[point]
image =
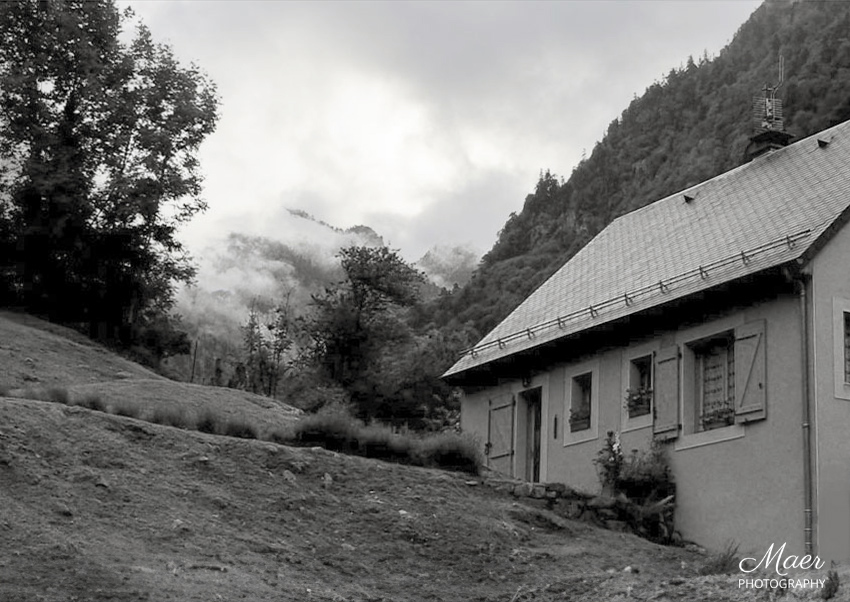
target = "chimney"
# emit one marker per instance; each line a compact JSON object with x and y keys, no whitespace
{"x":770,"y":131}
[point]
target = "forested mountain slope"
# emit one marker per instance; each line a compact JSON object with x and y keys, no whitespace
{"x":690,"y":126}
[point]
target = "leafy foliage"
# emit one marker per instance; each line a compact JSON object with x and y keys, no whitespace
{"x":98,"y":167}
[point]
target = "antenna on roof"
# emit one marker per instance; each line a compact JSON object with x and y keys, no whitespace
{"x":767,"y":112}
{"x":767,"y":109}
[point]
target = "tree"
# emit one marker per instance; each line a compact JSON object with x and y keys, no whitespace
{"x":98,"y":167}
{"x":357,"y":328}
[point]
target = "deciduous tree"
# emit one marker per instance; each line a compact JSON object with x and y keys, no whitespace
{"x":98,"y":165}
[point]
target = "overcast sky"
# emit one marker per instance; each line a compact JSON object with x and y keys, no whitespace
{"x":428,"y":121}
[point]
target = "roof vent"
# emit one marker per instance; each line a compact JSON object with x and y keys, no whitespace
{"x":823,"y":143}
{"x":770,"y":128}
{"x":689,"y":197}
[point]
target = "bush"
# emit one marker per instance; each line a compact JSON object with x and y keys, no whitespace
{"x":208,"y":422}
{"x":58,"y":395}
{"x":721,"y":563}
{"x":125,"y":408}
{"x":334,"y":428}
{"x":91,"y":401}
{"x":235,"y":427}
{"x":645,"y":476}
{"x":170,"y":416}
{"x":452,"y":451}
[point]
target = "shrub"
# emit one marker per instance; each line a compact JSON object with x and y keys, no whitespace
{"x":609,"y":462}
{"x":646,"y":475}
{"x":125,"y":408}
{"x":208,"y":422}
{"x":52,"y":394}
{"x":92,"y":401}
{"x":280,"y":437}
{"x":830,"y":587}
{"x":334,"y":428}
{"x":5,"y":390}
{"x":236,"y":427}
{"x":58,"y":395}
{"x":171,"y":416}
{"x":450,"y":450}
{"x":721,"y":563}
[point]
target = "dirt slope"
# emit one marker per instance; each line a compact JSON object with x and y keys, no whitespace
{"x":36,"y":355}
{"x":34,"y":352}
{"x":100,"y":507}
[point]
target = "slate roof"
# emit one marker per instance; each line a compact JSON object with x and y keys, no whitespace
{"x":760,"y":215}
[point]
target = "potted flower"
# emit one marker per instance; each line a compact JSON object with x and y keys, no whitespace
{"x":718,"y":417}
{"x":579,"y":419}
{"x":638,"y":401}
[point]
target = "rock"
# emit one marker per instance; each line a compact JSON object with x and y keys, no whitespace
{"x":289,"y":477}
{"x":616,"y":525}
{"x":327,"y":480}
{"x":123,"y":375}
{"x":602,"y":501}
{"x":347,"y":546}
{"x":471,"y":483}
{"x":63,"y":509}
{"x":557,"y":488}
{"x":538,"y":492}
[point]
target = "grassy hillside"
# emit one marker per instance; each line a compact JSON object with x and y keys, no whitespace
{"x":96,"y":507}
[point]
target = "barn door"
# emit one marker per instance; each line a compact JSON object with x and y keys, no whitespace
{"x":500,"y":435}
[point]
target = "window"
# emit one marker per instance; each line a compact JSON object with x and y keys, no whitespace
{"x":714,"y":362}
{"x":580,"y":402}
{"x":846,"y":347}
{"x":841,"y":346}
{"x":707,"y":388}
{"x":639,"y":393}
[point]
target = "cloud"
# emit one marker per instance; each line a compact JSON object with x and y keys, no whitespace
{"x":424,"y":120}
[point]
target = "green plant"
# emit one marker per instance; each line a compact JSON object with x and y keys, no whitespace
{"x":449,"y":450}
{"x":609,"y":462}
{"x":722,"y":415}
{"x":208,"y":422}
{"x":638,"y":401}
{"x":125,"y":408}
{"x":721,"y":563}
{"x":91,"y":401}
{"x":235,"y":427}
{"x":334,"y":428}
{"x":58,"y":395}
{"x":830,"y":587}
{"x":170,"y":416}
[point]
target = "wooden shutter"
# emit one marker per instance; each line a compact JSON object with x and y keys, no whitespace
{"x":500,"y":435}
{"x":750,"y":372}
{"x":666,"y":423}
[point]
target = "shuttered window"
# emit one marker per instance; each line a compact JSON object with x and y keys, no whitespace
{"x":715,"y":381}
{"x":666,"y":409}
{"x":847,"y":347}
{"x":750,"y":372}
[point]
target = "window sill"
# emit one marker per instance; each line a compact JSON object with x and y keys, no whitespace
{"x":727,"y":433}
{"x":577,"y":437}
{"x":635,"y":424}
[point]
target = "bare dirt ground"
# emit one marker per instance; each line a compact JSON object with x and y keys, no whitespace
{"x":100,"y":507}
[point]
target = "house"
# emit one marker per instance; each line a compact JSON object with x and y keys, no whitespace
{"x":723,"y":314}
